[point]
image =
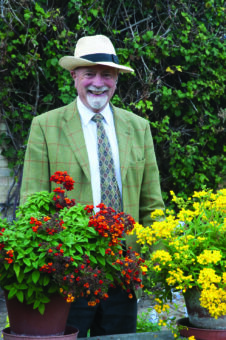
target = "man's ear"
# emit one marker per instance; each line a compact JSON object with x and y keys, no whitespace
{"x":73,"y":74}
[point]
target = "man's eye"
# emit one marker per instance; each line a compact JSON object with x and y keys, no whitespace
{"x":88,"y":74}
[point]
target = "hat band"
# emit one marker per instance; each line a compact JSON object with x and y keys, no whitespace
{"x":99,"y":57}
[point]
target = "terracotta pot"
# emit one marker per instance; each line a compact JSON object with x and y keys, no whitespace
{"x":70,"y":333}
{"x":24,"y":320}
{"x":187,"y":330}
{"x":198,"y":316}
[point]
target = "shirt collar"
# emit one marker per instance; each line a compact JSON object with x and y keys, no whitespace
{"x":86,"y":114}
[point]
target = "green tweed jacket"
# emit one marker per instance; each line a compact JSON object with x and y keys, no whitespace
{"x":56,"y":142}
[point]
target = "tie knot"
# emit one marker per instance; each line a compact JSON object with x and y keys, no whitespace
{"x":98,"y":117}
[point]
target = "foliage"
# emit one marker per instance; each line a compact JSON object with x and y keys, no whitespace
{"x":190,"y":249}
{"x":177,"y":50}
{"x":55,"y":245}
{"x":145,"y":325}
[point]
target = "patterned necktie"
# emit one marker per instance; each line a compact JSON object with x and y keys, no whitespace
{"x":110,"y":194}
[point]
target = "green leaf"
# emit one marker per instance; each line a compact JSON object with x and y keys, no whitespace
{"x":12,"y":292}
{"x":102,"y":251}
{"x":20,"y":296}
{"x":46,"y":280}
{"x":35,"y":276}
{"x":92,"y":259}
{"x":36,"y":304}
{"x":109,"y":276}
{"x":27,"y":261}
{"x":41,"y":308}
{"x":16,"y":268}
{"x":30,"y":291}
{"x":101,"y":260}
{"x":20,"y":277}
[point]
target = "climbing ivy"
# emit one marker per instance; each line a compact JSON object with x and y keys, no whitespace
{"x":177,"y":50}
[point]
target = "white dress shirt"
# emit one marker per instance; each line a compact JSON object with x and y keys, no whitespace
{"x":90,"y":135}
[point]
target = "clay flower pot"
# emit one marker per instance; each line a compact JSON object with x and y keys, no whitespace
{"x":199,"y":316}
{"x":26,"y":321}
{"x":187,"y":330}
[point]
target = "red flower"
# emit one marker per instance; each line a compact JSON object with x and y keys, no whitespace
{"x":89,"y":208}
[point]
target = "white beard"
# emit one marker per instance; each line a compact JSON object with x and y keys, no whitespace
{"x":97,"y":103}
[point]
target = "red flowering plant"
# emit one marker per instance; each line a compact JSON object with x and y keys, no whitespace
{"x":58,"y":246}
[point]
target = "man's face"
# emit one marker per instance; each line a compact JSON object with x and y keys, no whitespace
{"x":95,"y":85}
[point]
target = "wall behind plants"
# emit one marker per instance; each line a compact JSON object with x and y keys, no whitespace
{"x":177,"y":50}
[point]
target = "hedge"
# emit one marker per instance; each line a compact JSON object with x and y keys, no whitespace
{"x":177,"y":50}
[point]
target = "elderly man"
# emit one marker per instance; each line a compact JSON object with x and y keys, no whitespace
{"x":110,"y":154}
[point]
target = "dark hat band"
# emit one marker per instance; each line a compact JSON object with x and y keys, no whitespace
{"x":100,"y":57}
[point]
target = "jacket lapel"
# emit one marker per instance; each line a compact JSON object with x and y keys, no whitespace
{"x":73,"y":132}
{"x":125,"y":135}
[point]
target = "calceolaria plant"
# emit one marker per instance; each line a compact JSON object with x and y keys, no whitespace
{"x":188,"y":249}
{"x":58,"y":246}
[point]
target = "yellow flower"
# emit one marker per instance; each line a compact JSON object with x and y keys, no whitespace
{"x":157,"y":213}
{"x":190,"y":247}
{"x":214,"y":299}
{"x":207,"y":276}
{"x":209,"y":256}
{"x":161,"y":256}
{"x":144,"y":269}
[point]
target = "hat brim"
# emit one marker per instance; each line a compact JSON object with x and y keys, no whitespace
{"x":71,"y":63}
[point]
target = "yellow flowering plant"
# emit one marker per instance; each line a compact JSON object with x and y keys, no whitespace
{"x":186,"y":249}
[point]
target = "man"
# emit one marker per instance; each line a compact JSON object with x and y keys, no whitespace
{"x":66,"y":139}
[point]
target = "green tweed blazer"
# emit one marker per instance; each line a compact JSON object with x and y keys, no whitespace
{"x":56,"y":143}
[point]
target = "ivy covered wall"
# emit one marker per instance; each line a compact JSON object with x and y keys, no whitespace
{"x":177,"y":50}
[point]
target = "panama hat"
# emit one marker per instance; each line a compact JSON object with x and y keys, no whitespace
{"x":93,"y":50}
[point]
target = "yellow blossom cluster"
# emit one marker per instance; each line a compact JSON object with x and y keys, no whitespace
{"x":207,"y":276}
{"x":162,"y":323}
{"x":177,"y":277}
{"x":158,"y":230}
{"x":209,"y":256}
{"x":157,"y":213}
{"x":189,"y":247}
{"x":220,"y":200}
{"x":214,"y":299}
{"x":188,"y":215}
{"x":224,"y":278}
{"x":161,"y":256}
{"x":161,"y":308}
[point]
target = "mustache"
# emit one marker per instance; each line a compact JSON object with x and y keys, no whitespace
{"x":95,"y":88}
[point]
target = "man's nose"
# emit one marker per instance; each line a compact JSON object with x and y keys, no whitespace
{"x":98,"y":80}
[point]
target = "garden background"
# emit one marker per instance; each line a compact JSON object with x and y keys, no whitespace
{"x":177,"y":50}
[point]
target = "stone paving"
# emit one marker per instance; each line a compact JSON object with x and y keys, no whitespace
{"x":3,"y":311}
{"x":177,"y":309}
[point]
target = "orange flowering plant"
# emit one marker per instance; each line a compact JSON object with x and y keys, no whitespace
{"x":56,"y":245}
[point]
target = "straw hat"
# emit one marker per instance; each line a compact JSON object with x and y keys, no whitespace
{"x":93,"y":50}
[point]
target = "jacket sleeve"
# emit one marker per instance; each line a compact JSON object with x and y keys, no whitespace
{"x":36,"y":165}
{"x":150,"y":195}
